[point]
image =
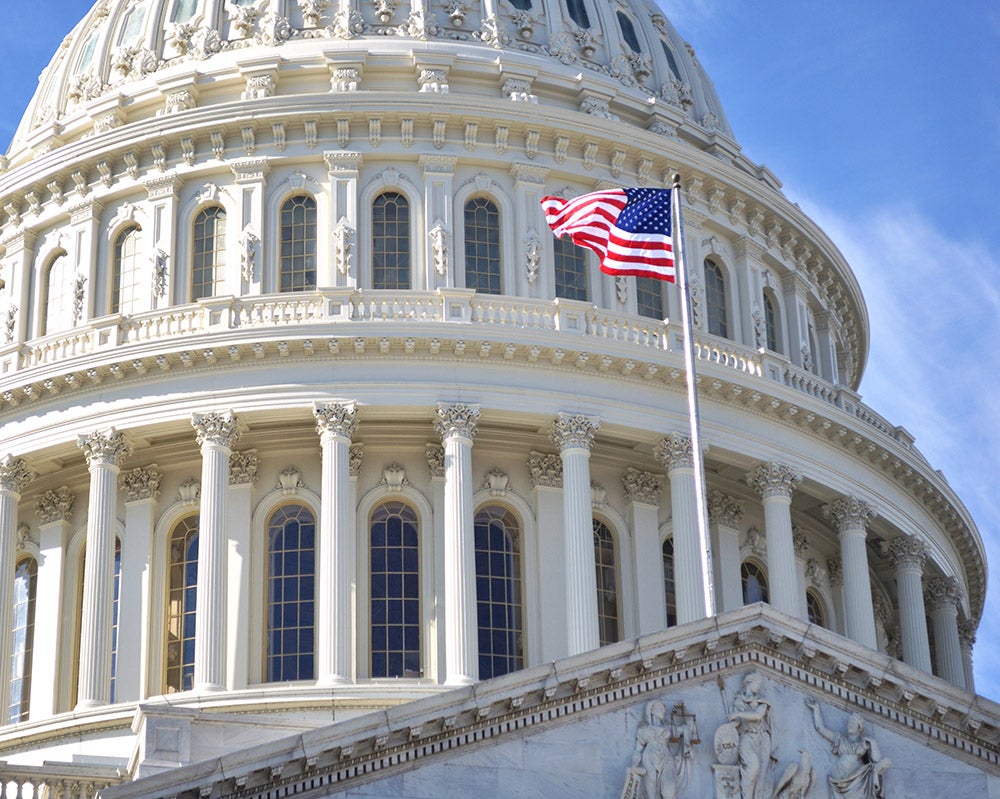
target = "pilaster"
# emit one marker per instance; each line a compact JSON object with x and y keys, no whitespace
{"x":724,"y":515}
{"x":545,"y":473}
{"x":643,"y":490}
{"x":242,"y":477}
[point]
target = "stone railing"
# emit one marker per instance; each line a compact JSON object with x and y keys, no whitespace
{"x":347,"y":311}
{"x":56,"y":781}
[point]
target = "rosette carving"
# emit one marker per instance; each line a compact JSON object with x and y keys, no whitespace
{"x":907,"y":552}
{"x":773,"y":480}
{"x":141,"y":483}
{"x":724,"y":510}
{"x":456,"y":420}
{"x":571,"y":431}
{"x":14,"y":474}
{"x":107,"y":446}
{"x":545,"y":469}
{"x":55,"y":506}
{"x":216,"y":428}
{"x":642,"y":486}
{"x":336,"y":418}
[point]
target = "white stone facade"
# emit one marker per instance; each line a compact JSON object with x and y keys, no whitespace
{"x":281,"y":267}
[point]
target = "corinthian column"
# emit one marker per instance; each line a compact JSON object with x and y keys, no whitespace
{"x":943,"y":595}
{"x":574,"y":435}
{"x":14,"y":476}
{"x":967,"y":640}
{"x":456,"y":424}
{"x":216,"y":433}
{"x":775,"y":482}
{"x":104,"y":452}
{"x":675,"y":455}
{"x":907,"y":554}
{"x":335,"y":424}
{"x":850,"y":515}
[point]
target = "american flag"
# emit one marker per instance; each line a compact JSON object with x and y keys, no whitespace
{"x":630,"y":229}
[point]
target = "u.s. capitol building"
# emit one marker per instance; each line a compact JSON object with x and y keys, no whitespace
{"x":328,"y":471}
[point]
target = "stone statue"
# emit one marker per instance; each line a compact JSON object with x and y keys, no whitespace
{"x":859,"y":770}
{"x":752,"y":715}
{"x":661,"y":762}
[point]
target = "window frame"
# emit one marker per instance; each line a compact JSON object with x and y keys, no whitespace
{"x":519,"y":588}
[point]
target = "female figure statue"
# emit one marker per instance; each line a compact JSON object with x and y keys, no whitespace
{"x":858,"y":772}
{"x":661,"y":761}
{"x":752,"y":716}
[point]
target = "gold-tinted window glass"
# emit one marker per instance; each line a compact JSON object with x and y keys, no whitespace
{"x":182,"y":589}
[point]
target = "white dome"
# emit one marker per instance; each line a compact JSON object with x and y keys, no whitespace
{"x":122,"y":48}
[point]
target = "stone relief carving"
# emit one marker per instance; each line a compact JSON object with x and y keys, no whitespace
{"x":497,"y":482}
{"x":343,"y":245}
{"x":11,"y":322}
{"x":532,"y":255}
{"x":141,"y":483}
{"x":621,"y":289}
{"x":345,"y":79}
{"x":661,"y":761}
{"x":439,"y":247}
{"x":433,"y":80}
{"x":243,"y":467}
{"x":242,"y":18}
{"x":55,"y":506}
{"x":248,"y":253}
{"x":189,"y":492}
{"x":394,"y":477}
{"x":434,"y":454}
{"x":545,"y":469}
{"x":385,"y":10}
{"x":312,"y":11}
{"x":748,"y":725}
{"x":25,"y":539}
{"x":797,"y":778}
{"x":160,"y":271}
{"x":356,"y":457}
{"x":289,"y":481}
{"x":859,"y":770}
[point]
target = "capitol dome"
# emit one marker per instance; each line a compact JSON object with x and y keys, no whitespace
{"x":306,"y":415}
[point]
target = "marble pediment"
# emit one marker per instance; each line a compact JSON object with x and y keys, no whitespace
{"x":749,"y":705}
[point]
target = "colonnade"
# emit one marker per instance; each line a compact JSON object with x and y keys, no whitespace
{"x":575,"y":597}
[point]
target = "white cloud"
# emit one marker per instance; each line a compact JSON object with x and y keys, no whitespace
{"x":934,"y":362}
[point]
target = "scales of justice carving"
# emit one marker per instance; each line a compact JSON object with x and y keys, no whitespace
{"x":747,"y":764}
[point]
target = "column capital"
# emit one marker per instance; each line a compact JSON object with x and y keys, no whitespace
{"x":219,"y":428}
{"x":141,"y":483}
{"x":907,"y":552}
{"x":14,"y":474}
{"x":673,"y":451}
{"x":773,"y":479}
{"x":943,"y":593}
{"x":724,"y":510}
{"x":457,"y":420}
{"x":574,"y":431}
{"x":55,"y":506}
{"x":800,"y":542}
{"x":642,"y":486}
{"x":835,"y":571}
{"x":336,"y":418}
{"x":356,"y":455}
{"x":849,"y":513}
{"x":545,"y":469}
{"x":967,"y":633}
{"x":107,"y":447}
{"x":243,"y":467}
{"x":435,"y":459}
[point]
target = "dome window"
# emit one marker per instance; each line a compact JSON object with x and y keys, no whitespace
{"x":671,"y":61}
{"x":132,"y":26}
{"x":126,"y":271}
{"x":715,"y":299}
{"x":297,"y":264}
{"x":58,"y":295}
{"x":395,"y":591}
{"x":87,"y":53}
{"x":181,"y":605}
{"x":628,"y":32}
{"x":22,"y":635}
{"x":607,"y":584}
{"x":521,"y":5}
{"x":571,"y":270}
{"x":649,"y":298}
{"x":209,"y":252}
{"x":578,"y":13}
{"x":754,"y":583}
{"x":391,"y":242}
{"x":669,"y":583}
{"x":770,"y":323}
{"x":184,"y":10}
{"x":498,"y":592}
{"x":290,"y":594}
{"x":482,"y":246}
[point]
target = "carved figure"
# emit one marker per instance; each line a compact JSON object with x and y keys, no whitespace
{"x":860,"y":767}
{"x":661,"y":762}
{"x":797,"y":779}
{"x":752,"y":715}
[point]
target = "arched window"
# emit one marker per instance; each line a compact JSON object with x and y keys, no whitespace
{"x":498,"y":592}
{"x":578,"y":13}
{"x":628,"y":32}
{"x":132,"y":26}
{"x":715,"y":299}
{"x":669,"y":585}
{"x":482,"y":246}
{"x":208,"y":258}
{"x":59,"y":294}
{"x":649,"y":298}
{"x":395,"y":591}
{"x":22,"y":640}
{"x":770,"y":323}
{"x":114,"y":617}
{"x":125,"y":271}
{"x":297,"y":261}
{"x":571,"y":270}
{"x":671,"y":61}
{"x":754,"y":583}
{"x":182,"y":588}
{"x":814,"y":608}
{"x":390,"y":241}
{"x":607,"y":583}
{"x":813,"y":352}
{"x":184,"y":10}
{"x":291,"y":538}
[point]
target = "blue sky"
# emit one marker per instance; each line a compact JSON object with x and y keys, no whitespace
{"x":882,"y":118}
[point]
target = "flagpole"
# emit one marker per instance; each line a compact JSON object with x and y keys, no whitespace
{"x":697,"y":456}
